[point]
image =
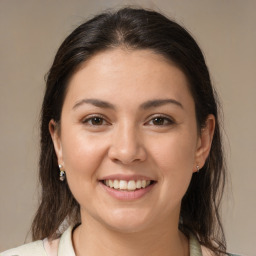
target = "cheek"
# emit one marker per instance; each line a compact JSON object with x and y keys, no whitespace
{"x":175,"y":151}
{"x":175,"y":160}
{"x":82,"y":155}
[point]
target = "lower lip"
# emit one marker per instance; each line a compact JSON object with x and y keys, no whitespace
{"x":127,"y":195}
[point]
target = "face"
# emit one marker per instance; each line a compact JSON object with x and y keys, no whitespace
{"x":128,"y":140}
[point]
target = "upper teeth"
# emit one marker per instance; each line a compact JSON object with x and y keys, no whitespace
{"x":127,"y":185}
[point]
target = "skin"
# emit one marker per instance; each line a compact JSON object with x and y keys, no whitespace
{"x":130,"y":138}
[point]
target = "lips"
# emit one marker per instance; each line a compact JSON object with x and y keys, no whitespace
{"x":125,"y":187}
{"x":129,"y":185}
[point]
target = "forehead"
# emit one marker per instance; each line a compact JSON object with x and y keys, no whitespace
{"x":120,"y":74}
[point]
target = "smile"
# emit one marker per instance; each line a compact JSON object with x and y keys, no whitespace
{"x":127,"y":185}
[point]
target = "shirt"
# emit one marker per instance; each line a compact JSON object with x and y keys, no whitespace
{"x":64,"y":247}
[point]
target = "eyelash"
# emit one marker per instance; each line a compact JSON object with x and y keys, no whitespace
{"x":89,"y":120}
{"x":166,"y":121}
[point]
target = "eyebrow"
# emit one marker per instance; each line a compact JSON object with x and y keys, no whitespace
{"x":95,"y":102}
{"x":159,"y":103}
{"x":146,"y":105}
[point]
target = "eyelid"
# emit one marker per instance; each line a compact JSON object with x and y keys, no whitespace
{"x":86,"y":119}
{"x":170,"y":119}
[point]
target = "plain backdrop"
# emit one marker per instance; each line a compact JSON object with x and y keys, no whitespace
{"x":30,"y":33}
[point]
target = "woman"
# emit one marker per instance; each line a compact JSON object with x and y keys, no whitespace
{"x":131,"y":154}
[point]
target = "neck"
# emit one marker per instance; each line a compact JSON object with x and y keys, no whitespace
{"x":93,"y":239}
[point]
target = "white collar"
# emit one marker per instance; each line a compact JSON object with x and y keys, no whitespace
{"x":65,"y":246}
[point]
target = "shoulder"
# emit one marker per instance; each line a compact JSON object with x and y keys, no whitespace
{"x":31,"y":249}
{"x":207,"y":252}
{"x":61,"y":246}
{"x":196,"y":249}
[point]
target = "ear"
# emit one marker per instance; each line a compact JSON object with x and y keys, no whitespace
{"x":204,"y":142}
{"x":55,"y":134}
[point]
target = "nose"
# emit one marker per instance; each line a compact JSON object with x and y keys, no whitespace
{"x":127,"y":145}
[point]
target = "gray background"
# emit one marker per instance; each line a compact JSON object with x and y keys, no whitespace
{"x":30,"y":33}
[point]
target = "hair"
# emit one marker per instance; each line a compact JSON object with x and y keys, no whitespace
{"x":133,"y":29}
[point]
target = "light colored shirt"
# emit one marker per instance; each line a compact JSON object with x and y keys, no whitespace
{"x":64,"y":247}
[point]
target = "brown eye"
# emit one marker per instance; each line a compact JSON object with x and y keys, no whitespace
{"x":94,"y":121}
{"x":161,"y":121}
{"x":158,"y":121}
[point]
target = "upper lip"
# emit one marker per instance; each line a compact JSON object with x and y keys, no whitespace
{"x":126,"y":177}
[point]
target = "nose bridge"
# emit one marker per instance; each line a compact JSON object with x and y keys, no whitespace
{"x":127,"y":145}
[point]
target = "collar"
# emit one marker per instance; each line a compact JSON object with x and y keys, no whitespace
{"x":66,"y":246}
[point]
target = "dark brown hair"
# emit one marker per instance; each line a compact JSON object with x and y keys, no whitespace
{"x":133,"y":29}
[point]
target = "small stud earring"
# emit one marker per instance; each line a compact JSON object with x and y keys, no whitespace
{"x":62,"y":173}
{"x":198,"y":168}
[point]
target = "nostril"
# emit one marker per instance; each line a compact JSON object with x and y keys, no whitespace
{"x":126,"y":160}
{"x":126,"y":149}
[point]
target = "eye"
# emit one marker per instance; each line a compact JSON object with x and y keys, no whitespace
{"x":160,"y":121}
{"x":95,"y":121}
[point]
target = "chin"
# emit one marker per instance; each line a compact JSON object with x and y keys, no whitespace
{"x":127,"y":220}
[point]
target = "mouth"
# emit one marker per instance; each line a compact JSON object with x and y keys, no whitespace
{"x":127,"y":185}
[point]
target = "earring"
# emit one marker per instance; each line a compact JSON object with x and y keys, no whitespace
{"x":198,"y":168}
{"x":62,"y":176}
